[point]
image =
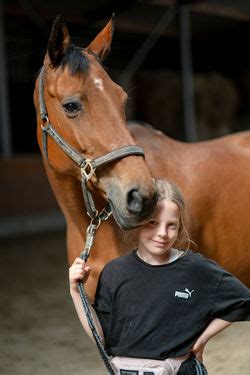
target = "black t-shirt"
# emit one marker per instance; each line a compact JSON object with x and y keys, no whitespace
{"x":158,"y":312}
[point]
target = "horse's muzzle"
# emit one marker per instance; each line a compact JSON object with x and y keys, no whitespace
{"x":137,"y":208}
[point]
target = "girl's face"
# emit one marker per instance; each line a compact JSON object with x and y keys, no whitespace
{"x":157,"y":237}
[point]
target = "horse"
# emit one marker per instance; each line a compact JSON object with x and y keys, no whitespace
{"x":87,"y":108}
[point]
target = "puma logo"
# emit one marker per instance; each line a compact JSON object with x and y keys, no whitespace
{"x":190,"y":293}
{"x":187,"y":294}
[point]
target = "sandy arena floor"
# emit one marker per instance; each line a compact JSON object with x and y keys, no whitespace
{"x":40,"y":333}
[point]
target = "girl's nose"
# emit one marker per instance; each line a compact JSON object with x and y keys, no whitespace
{"x":162,"y":232}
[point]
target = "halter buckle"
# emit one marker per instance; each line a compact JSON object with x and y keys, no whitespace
{"x":105,"y":213}
{"x":87,"y":170}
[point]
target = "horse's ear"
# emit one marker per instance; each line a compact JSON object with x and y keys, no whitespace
{"x":102,"y":43}
{"x":58,"y":41}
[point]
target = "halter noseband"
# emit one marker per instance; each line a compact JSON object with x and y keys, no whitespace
{"x":86,"y":166}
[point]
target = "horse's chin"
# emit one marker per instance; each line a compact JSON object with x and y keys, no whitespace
{"x":126,"y":222}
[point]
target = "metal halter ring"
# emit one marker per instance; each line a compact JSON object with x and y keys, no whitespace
{"x":95,"y":223}
{"x":87,"y":170}
{"x":45,"y":121}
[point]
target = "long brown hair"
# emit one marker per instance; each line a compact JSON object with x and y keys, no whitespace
{"x":168,"y":190}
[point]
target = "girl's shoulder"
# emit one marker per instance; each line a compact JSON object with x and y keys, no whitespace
{"x":118,"y":264}
{"x":199,"y":257}
{"x":202,"y":263}
{"x":117,"y":270}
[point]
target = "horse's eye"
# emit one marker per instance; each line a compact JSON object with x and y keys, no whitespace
{"x":72,"y":108}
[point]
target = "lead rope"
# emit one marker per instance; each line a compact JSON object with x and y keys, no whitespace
{"x":200,"y":368}
{"x":90,"y":234}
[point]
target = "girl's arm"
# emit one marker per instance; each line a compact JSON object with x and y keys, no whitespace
{"x":216,"y":326}
{"x":79,"y":271}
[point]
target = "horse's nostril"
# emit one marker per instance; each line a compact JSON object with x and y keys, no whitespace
{"x":134,"y":201}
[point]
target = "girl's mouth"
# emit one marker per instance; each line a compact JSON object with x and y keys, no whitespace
{"x":160,"y":243}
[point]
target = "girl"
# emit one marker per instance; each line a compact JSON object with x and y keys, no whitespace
{"x":157,"y":307}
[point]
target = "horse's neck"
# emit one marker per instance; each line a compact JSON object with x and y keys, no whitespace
{"x":68,"y":193}
{"x":164,"y":156}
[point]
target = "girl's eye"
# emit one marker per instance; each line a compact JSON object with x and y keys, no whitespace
{"x":72,"y":108}
{"x":153,"y":222}
{"x":173,"y":226}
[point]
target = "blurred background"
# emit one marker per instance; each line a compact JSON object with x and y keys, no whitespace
{"x":186,"y":68}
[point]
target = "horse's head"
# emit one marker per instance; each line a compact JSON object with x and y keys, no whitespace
{"x":87,"y":109}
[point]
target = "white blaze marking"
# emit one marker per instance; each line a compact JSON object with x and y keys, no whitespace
{"x":98,"y":83}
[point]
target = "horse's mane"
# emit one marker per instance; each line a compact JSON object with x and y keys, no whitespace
{"x":75,"y":60}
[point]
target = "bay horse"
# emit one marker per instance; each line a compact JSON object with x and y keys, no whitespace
{"x":87,"y":108}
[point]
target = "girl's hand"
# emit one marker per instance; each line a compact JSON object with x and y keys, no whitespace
{"x":78,"y":271}
{"x":198,"y":349}
{"x":215,"y":326}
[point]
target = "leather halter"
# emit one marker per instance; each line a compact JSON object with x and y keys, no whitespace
{"x":86,"y":166}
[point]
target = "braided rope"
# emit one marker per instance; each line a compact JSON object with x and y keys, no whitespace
{"x":95,"y":223}
{"x":200,"y":368}
{"x":93,"y":329}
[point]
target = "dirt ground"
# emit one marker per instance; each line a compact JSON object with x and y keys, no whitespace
{"x":40,"y":333}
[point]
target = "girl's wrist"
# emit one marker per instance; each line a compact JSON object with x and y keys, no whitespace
{"x":74,"y":289}
{"x":202,"y":340}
